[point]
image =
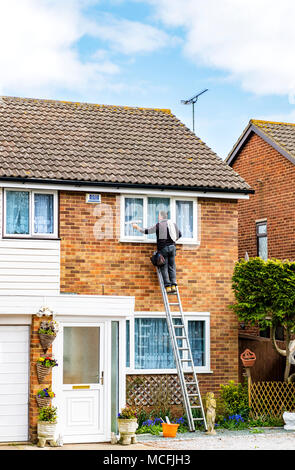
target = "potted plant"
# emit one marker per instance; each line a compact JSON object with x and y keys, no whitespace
{"x":46,"y":426}
{"x":44,"y":397}
{"x":127,"y":425}
{"x":47,"y":333}
{"x":44,"y":365}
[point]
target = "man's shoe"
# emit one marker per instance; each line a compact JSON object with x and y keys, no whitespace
{"x":173,"y":288}
{"x":168,"y":290}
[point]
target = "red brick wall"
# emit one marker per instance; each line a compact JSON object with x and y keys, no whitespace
{"x":272,"y":177}
{"x":92,"y":266}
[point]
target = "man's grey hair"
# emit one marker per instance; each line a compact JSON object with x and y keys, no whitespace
{"x":163,"y":214}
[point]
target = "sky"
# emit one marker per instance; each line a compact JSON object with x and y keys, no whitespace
{"x":156,"y":53}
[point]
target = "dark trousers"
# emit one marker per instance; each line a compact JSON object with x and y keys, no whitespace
{"x":168,"y":269}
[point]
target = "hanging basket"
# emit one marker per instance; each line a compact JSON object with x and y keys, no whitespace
{"x":42,"y":372}
{"x":43,"y":401}
{"x":248,"y":358}
{"x":46,"y":341}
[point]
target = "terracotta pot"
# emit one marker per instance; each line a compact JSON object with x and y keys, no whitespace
{"x":127,"y":428}
{"x":169,"y":430}
{"x":248,"y":358}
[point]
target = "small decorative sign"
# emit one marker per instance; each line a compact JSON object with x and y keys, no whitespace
{"x":93,"y":198}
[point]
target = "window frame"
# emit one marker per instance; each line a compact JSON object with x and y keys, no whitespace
{"x":190,"y":316}
{"x":258,"y":223}
{"x":31,"y":234}
{"x":144,"y":237}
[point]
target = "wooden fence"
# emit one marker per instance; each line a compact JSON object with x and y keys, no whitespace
{"x":271,"y":398}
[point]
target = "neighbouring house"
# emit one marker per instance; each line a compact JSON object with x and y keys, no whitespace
{"x":73,"y":177}
{"x":264,"y":156}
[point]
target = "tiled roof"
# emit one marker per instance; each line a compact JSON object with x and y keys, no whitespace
{"x":57,"y":140}
{"x":282,"y":133}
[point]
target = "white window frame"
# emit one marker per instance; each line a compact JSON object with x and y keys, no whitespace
{"x":144,"y":237}
{"x":32,"y":192}
{"x":190,"y":316}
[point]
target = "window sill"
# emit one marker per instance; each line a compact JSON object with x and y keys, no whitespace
{"x":30,"y":238}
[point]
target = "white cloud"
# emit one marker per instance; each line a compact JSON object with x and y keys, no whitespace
{"x":39,"y":46}
{"x":252,"y":41}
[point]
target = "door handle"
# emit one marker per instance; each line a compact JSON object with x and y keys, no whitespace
{"x":101,"y":378}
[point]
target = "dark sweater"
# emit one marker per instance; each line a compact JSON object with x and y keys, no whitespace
{"x":162,"y":234}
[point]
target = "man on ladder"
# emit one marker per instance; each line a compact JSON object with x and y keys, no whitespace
{"x":167,"y":234}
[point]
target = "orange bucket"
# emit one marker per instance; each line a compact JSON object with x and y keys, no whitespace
{"x":169,"y":430}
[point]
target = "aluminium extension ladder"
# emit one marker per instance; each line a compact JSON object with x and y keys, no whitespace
{"x":190,"y":389}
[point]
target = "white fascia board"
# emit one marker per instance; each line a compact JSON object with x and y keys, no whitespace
{"x":67,"y":304}
{"x":123,"y":190}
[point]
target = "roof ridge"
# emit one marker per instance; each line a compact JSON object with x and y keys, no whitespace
{"x":84,"y":103}
{"x":254,"y":121}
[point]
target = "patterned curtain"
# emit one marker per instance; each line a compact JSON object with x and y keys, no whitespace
{"x":43,"y":207}
{"x":184,"y":218}
{"x":17,"y":212}
{"x":133,"y":214}
{"x":155,"y":205}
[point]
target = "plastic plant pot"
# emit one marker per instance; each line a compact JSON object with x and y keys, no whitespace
{"x":169,"y":430}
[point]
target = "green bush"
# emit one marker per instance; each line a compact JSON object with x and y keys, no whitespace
{"x":233,"y":400}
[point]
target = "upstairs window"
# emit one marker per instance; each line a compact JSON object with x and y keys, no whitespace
{"x":30,"y":214}
{"x":261,"y":237}
{"x":144,"y":211}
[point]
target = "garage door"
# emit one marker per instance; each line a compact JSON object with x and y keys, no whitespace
{"x":14,"y":379}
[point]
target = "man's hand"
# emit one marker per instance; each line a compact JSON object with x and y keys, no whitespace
{"x":135,"y":226}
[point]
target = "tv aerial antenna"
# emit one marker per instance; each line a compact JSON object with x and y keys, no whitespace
{"x":193,"y":101}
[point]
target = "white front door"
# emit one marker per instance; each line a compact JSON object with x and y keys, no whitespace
{"x":81,"y":376}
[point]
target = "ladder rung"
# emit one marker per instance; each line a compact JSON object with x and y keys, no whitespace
{"x":198,"y":419}
{"x":186,"y":360}
{"x":192,"y":394}
{"x":195,"y":407}
{"x":181,"y":337}
{"x":183,"y":349}
{"x":174,"y":303}
{"x":178,"y":326}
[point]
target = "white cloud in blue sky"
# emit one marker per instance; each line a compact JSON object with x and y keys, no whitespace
{"x":155,"y":53}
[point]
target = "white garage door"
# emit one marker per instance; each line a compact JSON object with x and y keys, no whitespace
{"x":14,"y":380}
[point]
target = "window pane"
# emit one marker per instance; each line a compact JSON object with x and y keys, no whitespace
{"x":262,"y":247}
{"x":43,"y":207}
{"x":153,"y":348}
{"x":261,"y":228}
{"x":155,"y":205}
{"x":196,"y":333}
{"x":133,"y":215}
{"x":17,"y":212}
{"x":184,"y":218}
{"x":81,"y":355}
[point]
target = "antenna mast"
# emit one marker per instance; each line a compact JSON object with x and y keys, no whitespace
{"x":192,"y":101}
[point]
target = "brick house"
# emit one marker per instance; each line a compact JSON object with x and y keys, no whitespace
{"x":264,"y":155}
{"x":73,"y":176}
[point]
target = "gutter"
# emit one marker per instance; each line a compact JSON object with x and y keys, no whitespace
{"x":204,"y":189}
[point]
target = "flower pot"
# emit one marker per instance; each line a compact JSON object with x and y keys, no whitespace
{"x":43,"y":401}
{"x":46,"y":432}
{"x":127,"y":428}
{"x":46,"y":340}
{"x":169,"y":430}
{"x":289,"y":420}
{"x":42,"y":372}
{"x":248,"y":358}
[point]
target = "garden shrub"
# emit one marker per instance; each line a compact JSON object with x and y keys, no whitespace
{"x":233,"y":401}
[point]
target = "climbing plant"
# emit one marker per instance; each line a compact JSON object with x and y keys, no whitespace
{"x":265,"y":296}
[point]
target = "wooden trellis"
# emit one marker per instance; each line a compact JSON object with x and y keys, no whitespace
{"x":271,"y":398}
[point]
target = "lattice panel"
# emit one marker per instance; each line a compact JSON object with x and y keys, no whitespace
{"x":147,"y":390}
{"x":272,"y":398}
